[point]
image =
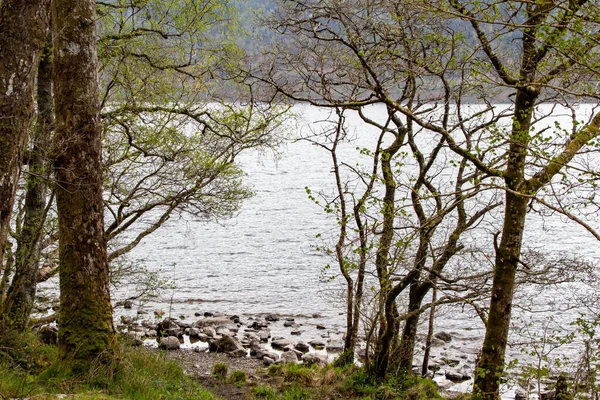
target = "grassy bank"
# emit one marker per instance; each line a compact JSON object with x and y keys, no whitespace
{"x":28,"y":369}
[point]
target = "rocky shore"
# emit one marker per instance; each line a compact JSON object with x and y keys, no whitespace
{"x":266,"y":339}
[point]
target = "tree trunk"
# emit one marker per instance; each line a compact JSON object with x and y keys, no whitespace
{"x":429,"y":340}
{"x":406,"y":349}
{"x":23,"y":28}
{"x":85,"y":321}
{"x":491,"y":363}
{"x":21,"y":294}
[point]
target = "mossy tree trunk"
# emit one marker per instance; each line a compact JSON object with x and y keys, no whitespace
{"x":85,"y":322}
{"x":21,"y":293}
{"x":23,"y":27}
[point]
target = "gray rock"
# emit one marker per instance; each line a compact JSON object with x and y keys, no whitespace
{"x":298,"y":352}
{"x":126,"y":319}
{"x":212,"y":321}
{"x":238,"y":353}
{"x":258,"y":325}
{"x":226,"y":344}
{"x":452,"y":362}
{"x":262,"y":353}
{"x":281,"y":343}
{"x":520,"y":394}
{"x":335,"y":346}
{"x":319,"y":326}
{"x":151,"y":333}
{"x":455,"y":376}
{"x":289,"y":323}
{"x":317,"y":344}
{"x":209,"y":331}
{"x":289,"y":357}
{"x":168,"y":327}
{"x":170,"y":343}
{"x":296,"y":332}
{"x":194,"y":332}
{"x":303,"y":347}
{"x":268,"y":361}
{"x":445,"y":336}
{"x":433,"y":366}
{"x":263,"y":335}
{"x":272,"y":318}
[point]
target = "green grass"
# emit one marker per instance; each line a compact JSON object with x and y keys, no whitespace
{"x":138,"y":374}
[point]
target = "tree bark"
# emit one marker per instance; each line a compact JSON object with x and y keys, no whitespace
{"x":23,"y":27}
{"x":21,"y":293}
{"x":85,"y":321}
{"x":491,"y":363}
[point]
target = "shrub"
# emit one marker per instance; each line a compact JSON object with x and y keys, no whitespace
{"x":220,"y":371}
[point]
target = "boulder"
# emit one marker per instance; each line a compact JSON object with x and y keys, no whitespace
{"x":455,"y":376}
{"x":212,"y":321}
{"x":168,"y":327}
{"x":268,"y":361}
{"x":281,"y":343}
{"x":226,"y":344}
{"x":335,"y":346}
{"x":296,"y":332}
{"x":445,"y":336}
{"x":209,"y":331}
{"x":126,"y":319}
{"x":238,"y":353}
{"x":520,"y":394}
{"x":169,"y":343}
{"x":272,"y":318}
{"x":289,"y":357}
{"x":264,"y":335}
{"x":319,"y":326}
{"x":193,"y":332}
{"x":264,"y":353}
{"x":452,"y":362}
{"x":317,"y":344}
{"x":303,"y":347}
{"x":259,"y":324}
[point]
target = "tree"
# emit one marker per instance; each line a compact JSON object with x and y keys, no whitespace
{"x":23,"y":28}
{"x":20,"y":297}
{"x":347,"y":55}
{"x":85,"y":321}
{"x":177,"y":156}
{"x":450,"y":55}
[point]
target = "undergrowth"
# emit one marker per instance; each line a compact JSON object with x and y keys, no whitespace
{"x":32,"y":369}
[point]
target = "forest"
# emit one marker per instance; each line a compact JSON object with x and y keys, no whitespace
{"x":453,"y":128}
